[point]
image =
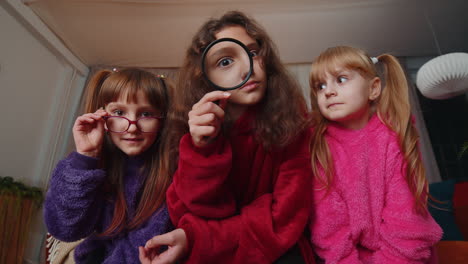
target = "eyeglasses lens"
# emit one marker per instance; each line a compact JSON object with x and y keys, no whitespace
{"x":120,"y":124}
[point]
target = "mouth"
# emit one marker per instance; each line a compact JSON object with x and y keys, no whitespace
{"x":132,"y":139}
{"x":250,"y":85}
{"x":333,"y":105}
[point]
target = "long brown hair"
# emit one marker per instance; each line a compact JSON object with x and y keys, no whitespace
{"x":282,"y":112}
{"x":107,"y":86}
{"x":392,"y":107}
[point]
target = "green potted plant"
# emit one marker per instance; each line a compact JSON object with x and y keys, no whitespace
{"x":18,"y":203}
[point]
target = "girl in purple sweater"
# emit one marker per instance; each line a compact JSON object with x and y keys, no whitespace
{"x":111,"y":190}
{"x":370,"y":191}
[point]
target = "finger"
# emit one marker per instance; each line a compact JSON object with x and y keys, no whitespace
{"x":160,"y":240}
{"x":164,"y":258}
{"x":101,"y":113}
{"x":156,"y":242}
{"x":207,"y":108}
{"x":97,"y":117}
{"x":203,"y":120}
{"x":90,"y":116}
{"x":88,"y":121}
{"x":202,"y":132}
{"x":100,"y":110}
{"x":84,"y":120}
{"x":213,"y":97}
{"x":143,"y":256}
{"x":153,"y":253}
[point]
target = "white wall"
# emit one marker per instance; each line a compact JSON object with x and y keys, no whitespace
{"x":39,"y":94}
{"x":301,"y":71}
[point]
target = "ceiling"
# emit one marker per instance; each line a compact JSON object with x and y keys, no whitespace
{"x":156,"y":33}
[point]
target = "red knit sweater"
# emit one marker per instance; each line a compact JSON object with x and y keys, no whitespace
{"x":239,"y":203}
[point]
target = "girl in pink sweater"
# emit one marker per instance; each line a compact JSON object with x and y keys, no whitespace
{"x":370,"y":191}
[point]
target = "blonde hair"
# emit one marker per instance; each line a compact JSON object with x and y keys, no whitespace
{"x":392,"y":107}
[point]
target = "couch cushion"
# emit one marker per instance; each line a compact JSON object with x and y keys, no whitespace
{"x":443,"y":211}
{"x":460,"y":207}
{"x":452,"y":252}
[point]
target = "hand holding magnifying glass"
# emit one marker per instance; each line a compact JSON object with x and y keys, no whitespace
{"x":206,"y":117}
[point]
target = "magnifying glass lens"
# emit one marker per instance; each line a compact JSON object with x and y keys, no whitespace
{"x":227,"y":65}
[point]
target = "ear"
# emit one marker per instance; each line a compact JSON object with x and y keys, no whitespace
{"x":375,"y":88}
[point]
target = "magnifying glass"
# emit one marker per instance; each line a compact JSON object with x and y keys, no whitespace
{"x":227,"y":64}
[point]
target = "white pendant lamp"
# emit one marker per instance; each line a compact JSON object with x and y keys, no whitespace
{"x":444,"y":77}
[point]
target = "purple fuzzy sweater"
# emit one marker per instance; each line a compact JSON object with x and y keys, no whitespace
{"x":75,"y":207}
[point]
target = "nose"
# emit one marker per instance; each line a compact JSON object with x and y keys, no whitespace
{"x":246,"y":73}
{"x":330,"y":90}
{"x":132,"y":128}
{"x":247,"y":67}
{"x":133,"y":124}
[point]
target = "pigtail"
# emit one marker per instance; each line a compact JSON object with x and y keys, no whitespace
{"x":395,"y":111}
{"x":320,"y":155}
{"x":394,"y":100}
{"x":92,"y":90}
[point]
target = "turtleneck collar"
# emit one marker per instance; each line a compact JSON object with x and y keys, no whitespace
{"x":337,"y":131}
{"x":136,"y":161}
{"x":245,"y":123}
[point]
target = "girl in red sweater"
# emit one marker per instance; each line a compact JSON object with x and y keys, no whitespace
{"x":240,"y":192}
{"x":370,"y":190}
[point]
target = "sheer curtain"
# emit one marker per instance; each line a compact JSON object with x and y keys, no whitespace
{"x":301,"y":72}
{"x":412,"y":66}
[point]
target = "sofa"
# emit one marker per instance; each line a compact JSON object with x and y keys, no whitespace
{"x":451,"y":213}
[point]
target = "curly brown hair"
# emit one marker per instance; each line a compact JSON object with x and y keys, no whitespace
{"x":282,"y":113}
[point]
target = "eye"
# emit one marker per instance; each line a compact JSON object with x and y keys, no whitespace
{"x":225,"y":62}
{"x":253,"y":53}
{"x":117,"y":112}
{"x":147,"y":114}
{"x":321,"y":86}
{"x":341,"y":79}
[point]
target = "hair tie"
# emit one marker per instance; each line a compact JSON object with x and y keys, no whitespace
{"x":374,"y":60}
{"x":161,"y":77}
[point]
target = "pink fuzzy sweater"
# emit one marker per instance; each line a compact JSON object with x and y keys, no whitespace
{"x":369,"y":215}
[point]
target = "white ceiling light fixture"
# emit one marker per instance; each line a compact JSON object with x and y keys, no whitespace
{"x":444,"y":76}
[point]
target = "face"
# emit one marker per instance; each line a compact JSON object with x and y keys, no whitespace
{"x":253,"y":91}
{"x":345,"y":96}
{"x":133,"y":142}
